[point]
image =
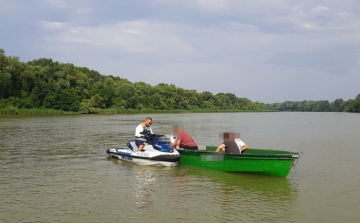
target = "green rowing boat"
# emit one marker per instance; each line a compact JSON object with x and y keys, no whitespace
{"x":254,"y":161}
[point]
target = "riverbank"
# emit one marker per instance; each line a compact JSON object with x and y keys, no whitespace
{"x":43,"y":111}
{"x":33,"y":111}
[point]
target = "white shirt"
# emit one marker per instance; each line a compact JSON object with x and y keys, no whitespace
{"x":239,"y":143}
{"x":140,"y":128}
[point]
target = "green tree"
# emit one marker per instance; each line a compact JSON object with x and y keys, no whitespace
{"x":244,"y":104}
{"x":355,"y":104}
{"x":337,"y":105}
{"x":5,"y":82}
{"x":45,"y":83}
{"x":52,"y":100}
{"x":69,"y":100}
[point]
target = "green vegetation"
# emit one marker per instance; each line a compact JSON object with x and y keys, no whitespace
{"x":33,"y":111}
{"x":43,"y":86}
{"x":151,"y":111}
{"x":339,"y":105}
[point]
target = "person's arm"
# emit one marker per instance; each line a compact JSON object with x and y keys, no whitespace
{"x":176,"y":144}
{"x":245,"y":147}
{"x":178,"y":140}
{"x":220,"y":147}
{"x":138,"y":129}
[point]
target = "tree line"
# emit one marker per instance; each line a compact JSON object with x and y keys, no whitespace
{"x":44,"y":83}
{"x":339,"y":105}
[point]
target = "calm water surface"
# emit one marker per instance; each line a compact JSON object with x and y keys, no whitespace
{"x":55,"y":169}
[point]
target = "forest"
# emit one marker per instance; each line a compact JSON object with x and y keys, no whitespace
{"x":339,"y":105}
{"x":43,"y":83}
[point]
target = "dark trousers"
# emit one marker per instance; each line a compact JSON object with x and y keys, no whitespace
{"x":189,"y":147}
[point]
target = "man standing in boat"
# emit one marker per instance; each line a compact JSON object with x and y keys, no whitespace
{"x":140,"y":138}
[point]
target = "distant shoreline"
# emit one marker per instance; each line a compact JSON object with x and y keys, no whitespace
{"x":41,"y":111}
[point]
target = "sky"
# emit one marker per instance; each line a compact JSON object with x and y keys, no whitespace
{"x":263,"y":50}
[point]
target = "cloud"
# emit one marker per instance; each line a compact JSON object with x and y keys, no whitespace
{"x":227,"y":8}
{"x":265,"y":46}
{"x":59,"y":4}
{"x":8,"y":8}
{"x":165,"y":42}
{"x":80,"y":7}
{"x":320,"y":8}
{"x":135,"y":37}
{"x":338,"y":61}
{"x":213,"y":5}
{"x":308,"y":26}
{"x":205,"y":6}
{"x":53,"y":25}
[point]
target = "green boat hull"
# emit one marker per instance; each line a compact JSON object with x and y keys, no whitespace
{"x":254,"y":161}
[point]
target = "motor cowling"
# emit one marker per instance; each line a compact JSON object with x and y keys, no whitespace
{"x":163,"y":147}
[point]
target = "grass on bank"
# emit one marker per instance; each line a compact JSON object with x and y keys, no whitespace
{"x":151,"y":111}
{"x":33,"y":111}
{"x":110,"y":111}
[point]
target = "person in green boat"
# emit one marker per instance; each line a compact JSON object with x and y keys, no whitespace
{"x":242,"y":146}
{"x":230,"y":146}
{"x":183,"y":139}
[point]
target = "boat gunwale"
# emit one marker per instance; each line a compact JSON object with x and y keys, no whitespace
{"x":289,"y":155}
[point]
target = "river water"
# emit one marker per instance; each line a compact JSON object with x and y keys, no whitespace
{"x":55,"y":169}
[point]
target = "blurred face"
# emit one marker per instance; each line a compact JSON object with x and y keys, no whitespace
{"x":229,"y":137}
{"x":148,"y":122}
{"x":178,"y":129}
{"x":226,"y":136}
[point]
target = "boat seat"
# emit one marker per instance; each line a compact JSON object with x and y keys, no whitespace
{"x":132,"y":145}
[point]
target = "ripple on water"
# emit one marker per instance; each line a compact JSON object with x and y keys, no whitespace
{"x":55,"y":169}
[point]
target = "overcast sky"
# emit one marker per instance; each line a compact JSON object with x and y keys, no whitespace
{"x":263,"y":50}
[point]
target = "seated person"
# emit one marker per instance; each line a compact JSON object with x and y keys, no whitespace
{"x":242,"y":146}
{"x":140,"y":138}
{"x":183,"y":140}
{"x":229,"y":145}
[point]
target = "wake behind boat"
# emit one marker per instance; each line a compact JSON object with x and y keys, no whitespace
{"x":157,"y":151}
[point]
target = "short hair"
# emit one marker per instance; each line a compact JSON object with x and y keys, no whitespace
{"x":148,"y":118}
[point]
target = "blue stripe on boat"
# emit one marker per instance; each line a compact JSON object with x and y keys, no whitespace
{"x":122,"y":153}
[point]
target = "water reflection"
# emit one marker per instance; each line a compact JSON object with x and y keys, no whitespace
{"x":140,"y":183}
{"x":233,"y":193}
{"x":54,"y":169}
{"x":190,"y":190}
